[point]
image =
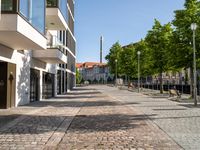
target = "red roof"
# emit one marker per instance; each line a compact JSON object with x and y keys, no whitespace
{"x":89,"y":64}
{"x":79,"y":65}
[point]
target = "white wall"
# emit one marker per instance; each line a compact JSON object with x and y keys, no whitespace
{"x":24,"y":62}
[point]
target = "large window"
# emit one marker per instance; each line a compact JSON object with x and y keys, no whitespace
{"x":63,"y":8}
{"x":34,"y":12}
{"x":38,"y":14}
{"x":24,"y":7}
{"x":7,"y":5}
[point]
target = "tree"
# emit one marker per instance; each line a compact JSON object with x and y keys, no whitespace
{"x":127,"y":58}
{"x":78,"y":77}
{"x":145,"y":58}
{"x":159,"y":41}
{"x":114,"y":55}
{"x":182,"y":39}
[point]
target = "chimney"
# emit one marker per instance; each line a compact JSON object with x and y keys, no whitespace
{"x":101,"y":48}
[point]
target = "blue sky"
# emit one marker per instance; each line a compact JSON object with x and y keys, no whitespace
{"x":125,"y":21}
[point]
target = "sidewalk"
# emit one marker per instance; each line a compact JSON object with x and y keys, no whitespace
{"x":85,"y":119}
{"x":179,"y":120}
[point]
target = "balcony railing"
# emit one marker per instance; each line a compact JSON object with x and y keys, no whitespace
{"x":53,"y":42}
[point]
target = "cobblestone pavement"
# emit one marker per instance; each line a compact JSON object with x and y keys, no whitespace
{"x":104,"y":123}
{"x":84,"y":119}
{"x":180,"y":120}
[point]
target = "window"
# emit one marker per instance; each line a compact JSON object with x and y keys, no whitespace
{"x":38,"y":14}
{"x":63,"y":8}
{"x":7,"y":5}
{"x":24,"y":8}
{"x":52,"y":3}
{"x":34,"y":12}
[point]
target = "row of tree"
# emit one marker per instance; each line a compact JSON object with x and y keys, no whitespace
{"x":165,"y":47}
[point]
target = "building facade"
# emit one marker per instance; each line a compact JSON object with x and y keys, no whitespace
{"x":37,"y":50}
{"x":94,"y":72}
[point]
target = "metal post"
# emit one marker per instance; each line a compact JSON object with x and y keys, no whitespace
{"x":138,"y":71}
{"x":116,"y":71}
{"x":195,"y":76}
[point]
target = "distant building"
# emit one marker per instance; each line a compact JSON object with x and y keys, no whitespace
{"x":94,"y":72}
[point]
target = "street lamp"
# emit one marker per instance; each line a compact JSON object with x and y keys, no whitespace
{"x":194,"y":27}
{"x":138,"y":53}
{"x":116,"y":71}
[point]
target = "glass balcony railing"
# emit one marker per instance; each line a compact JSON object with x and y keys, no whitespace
{"x":54,"y":43}
{"x":61,"y":4}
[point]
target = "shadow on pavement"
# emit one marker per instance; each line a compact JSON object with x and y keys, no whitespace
{"x":33,"y":124}
{"x":168,"y":109}
{"x":77,"y":103}
{"x":83,"y":93}
{"x":191,"y":105}
{"x":93,"y":123}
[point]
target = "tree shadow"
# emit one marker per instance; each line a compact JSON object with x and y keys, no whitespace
{"x":23,"y":82}
{"x":190,"y":105}
{"x":36,"y":124}
{"x":76,"y":103}
{"x":83,"y":93}
{"x":82,"y":89}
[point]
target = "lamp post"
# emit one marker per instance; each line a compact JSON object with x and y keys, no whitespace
{"x":138,"y":53}
{"x":194,"y":27}
{"x":116,"y":71}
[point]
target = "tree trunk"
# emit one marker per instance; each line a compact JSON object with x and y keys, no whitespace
{"x":191,"y":82}
{"x":161,"y":83}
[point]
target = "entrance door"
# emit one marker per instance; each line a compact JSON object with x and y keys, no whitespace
{"x":34,"y":85}
{"x":48,"y":85}
{"x":7,"y":85}
{"x":3,"y":84}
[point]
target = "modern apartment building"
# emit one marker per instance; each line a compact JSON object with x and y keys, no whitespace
{"x":37,"y":50}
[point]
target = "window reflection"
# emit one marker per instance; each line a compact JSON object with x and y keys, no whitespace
{"x":24,"y":8}
{"x":34,"y":12}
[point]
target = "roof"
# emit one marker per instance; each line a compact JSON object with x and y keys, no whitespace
{"x":89,"y":64}
{"x":79,"y":65}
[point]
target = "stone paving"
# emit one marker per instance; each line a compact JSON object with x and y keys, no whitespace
{"x":84,"y":119}
{"x":112,"y":125}
{"x":180,"y":120}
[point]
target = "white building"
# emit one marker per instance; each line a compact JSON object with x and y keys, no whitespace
{"x":37,"y":50}
{"x":94,"y":72}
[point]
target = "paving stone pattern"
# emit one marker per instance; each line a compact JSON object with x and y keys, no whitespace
{"x":180,"y":120}
{"x":83,"y":119}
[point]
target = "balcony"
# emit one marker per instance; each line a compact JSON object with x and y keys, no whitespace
{"x":54,"y":53}
{"x":20,"y":29}
{"x":18,"y":34}
{"x":56,"y":15}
